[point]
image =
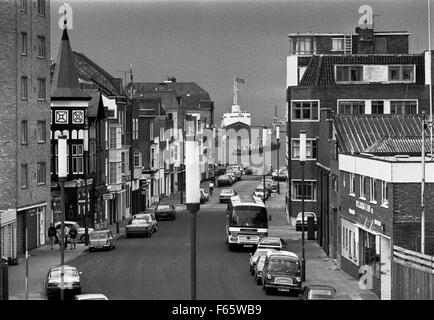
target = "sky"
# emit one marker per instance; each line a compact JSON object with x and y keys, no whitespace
{"x":210,"y":42}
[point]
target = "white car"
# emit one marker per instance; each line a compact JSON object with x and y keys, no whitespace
{"x":90,"y":296}
{"x":73,"y":224}
{"x":271,"y":243}
{"x":298,"y":225}
{"x":254,"y":257}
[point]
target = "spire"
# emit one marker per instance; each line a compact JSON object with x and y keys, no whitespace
{"x":65,"y":85}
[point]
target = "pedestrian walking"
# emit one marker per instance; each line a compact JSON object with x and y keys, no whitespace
{"x":73,"y":237}
{"x":65,"y":237}
{"x":52,"y":234}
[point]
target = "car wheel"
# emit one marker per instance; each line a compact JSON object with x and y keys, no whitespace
{"x":82,"y":238}
{"x":258,"y":281}
{"x":267,"y":291}
{"x":173,"y":217}
{"x":231,"y":247}
{"x":90,"y":249}
{"x":252,"y":272}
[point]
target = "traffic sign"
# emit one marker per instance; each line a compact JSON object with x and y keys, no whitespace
{"x":108,"y":196}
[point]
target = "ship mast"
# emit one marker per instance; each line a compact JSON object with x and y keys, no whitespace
{"x":235,"y":101}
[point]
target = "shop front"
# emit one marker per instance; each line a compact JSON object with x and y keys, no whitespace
{"x":31,"y":227}
{"x":8,"y":219}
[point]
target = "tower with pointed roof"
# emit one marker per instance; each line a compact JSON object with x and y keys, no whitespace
{"x":69,"y":106}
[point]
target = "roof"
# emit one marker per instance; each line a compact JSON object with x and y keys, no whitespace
{"x":95,"y":103}
{"x":283,"y":253}
{"x":399,"y":145}
{"x":167,"y":98}
{"x":358,"y":133}
{"x":149,"y":107}
{"x":320,"y":70}
{"x":192,"y":96}
{"x":248,"y":200}
{"x":89,"y":70}
{"x":65,"y":83}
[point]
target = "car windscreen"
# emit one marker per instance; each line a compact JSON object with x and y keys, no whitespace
{"x":283,"y":264}
{"x":163,"y":207}
{"x":67,"y":272}
{"x":140,"y":221}
{"x":249,"y":216}
{"x":94,"y":235}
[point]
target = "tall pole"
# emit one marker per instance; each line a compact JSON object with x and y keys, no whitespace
{"x":193,"y":284}
{"x":422,"y":193}
{"x":263,"y":183}
{"x":430,"y":80}
{"x":86,"y":168}
{"x":27,"y":264}
{"x":302,"y":162}
{"x":62,"y":174}
{"x":278,"y":154}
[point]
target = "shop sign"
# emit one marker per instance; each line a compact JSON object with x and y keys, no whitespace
{"x":108,"y":196}
{"x":364,"y":206}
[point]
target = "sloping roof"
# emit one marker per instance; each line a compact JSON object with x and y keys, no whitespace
{"x":320,"y":71}
{"x":149,"y":106}
{"x":190,"y":93}
{"x":95,"y":104}
{"x":168,"y":98}
{"x":399,"y":145}
{"x":90,"y":71}
{"x":65,"y":83}
{"x":358,"y":133}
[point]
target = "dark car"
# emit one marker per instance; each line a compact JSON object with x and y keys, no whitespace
{"x":318,"y":292}
{"x":71,"y":282}
{"x":165,"y":211}
{"x":142,"y":226}
{"x":281,"y":272}
{"x":248,"y":171}
{"x":224,"y":180}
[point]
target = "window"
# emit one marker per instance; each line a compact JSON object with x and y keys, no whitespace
{"x":137,"y":162}
{"x":24,"y":132}
{"x":23,"y":43}
{"x":349,"y":73}
{"x":41,"y":173}
{"x":377,"y":107}
{"x":135,"y":128}
{"x":23,"y":6}
{"x":113,"y":144}
{"x":309,"y":190}
{"x":384,"y":193}
{"x":41,"y":89}
{"x":42,"y":131}
{"x":153,"y":162}
{"x":372,"y":190}
{"x":123,"y":162}
{"x":403,"y":106}
{"x":350,"y":242}
{"x":303,"y":46}
{"x":24,"y":88}
{"x":334,"y":183}
{"x":338,"y":44}
{"x":151,"y":131}
{"x":351,"y":107}
{"x":41,"y":47}
{"x":304,"y":110}
{"x":24,"y":176}
{"x":77,"y":159}
{"x":401,"y":73}
{"x":112,"y":173}
{"x":352,"y":184}
{"x":363,"y":187}
{"x":311,"y":149}
{"x":41,"y":7}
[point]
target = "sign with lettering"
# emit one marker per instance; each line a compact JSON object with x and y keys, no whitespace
{"x":364,"y":206}
{"x":108,"y":196}
{"x":375,"y":73}
{"x":352,"y":211}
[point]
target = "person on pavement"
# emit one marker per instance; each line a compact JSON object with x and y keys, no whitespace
{"x":73,"y":237}
{"x":52,"y":233}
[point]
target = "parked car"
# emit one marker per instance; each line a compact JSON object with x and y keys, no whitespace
{"x":271,"y":243}
{"x":298,"y":225}
{"x":232,"y":176}
{"x":139,"y":226}
{"x":102,"y":239}
{"x":281,"y":272}
{"x":150,"y":217}
{"x":235,"y":171}
{"x":280,"y":175}
{"x":165,"y":211}
{"x":254,"y":256}
{"x":248,"y":171}
{"x":259,"y":192}
{"x":71,"y":280}
{"x":318,"y":292}
{"x":90,"y":296}
{"x":259,"y":267}
{"x":204,"y":197}
{"x":226,"y":194}
{"x":73,"y":224}
{"x":224,"y":180}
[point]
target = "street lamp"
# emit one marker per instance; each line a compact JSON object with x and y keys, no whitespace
{"x":62,"y":174}
{"x":278,"y":150}
{"x":192,"y":195}
{"x":302,"y":162}
{"x":86,"y":167}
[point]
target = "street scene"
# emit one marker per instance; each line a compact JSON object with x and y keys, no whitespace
{"x":216,"y":150}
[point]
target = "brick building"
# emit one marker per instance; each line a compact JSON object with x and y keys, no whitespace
{"x":24,"y":140}
{"x":359,"y":79}
{"x":370,"y":172}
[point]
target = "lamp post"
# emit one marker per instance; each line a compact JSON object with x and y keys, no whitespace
{"x":192,"y":196}
{"x":86,"y":167}
{"x":62,"y":174}
{"x":302,"y":162}
{"x":183,"y":175}
{"x":278,"y":150}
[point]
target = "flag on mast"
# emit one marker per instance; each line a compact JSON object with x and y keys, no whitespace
{"x":239,"y":80}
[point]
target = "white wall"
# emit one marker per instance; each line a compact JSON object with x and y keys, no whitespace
{"x":291,"y":70}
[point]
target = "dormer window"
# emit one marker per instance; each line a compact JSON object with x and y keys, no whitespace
{"x":337,"y":44}
{"x":349,"y":73}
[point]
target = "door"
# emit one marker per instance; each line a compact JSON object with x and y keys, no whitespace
{"x":21,"y":232}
